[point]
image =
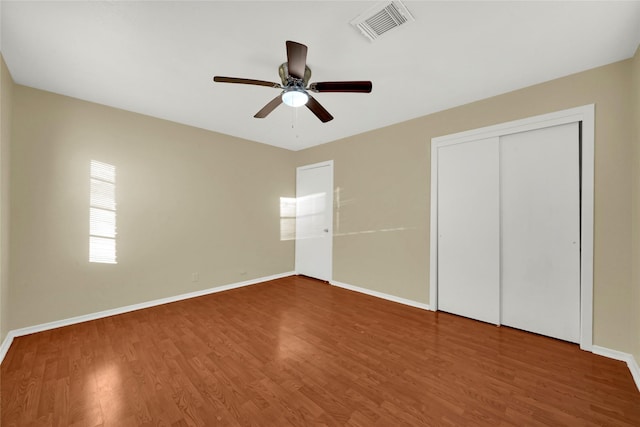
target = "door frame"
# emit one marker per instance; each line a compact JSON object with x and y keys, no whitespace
{"x":584,"y":114}
{"x":329,"y":206}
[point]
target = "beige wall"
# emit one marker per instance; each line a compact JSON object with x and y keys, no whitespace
{"x":636,"y":203}
{"x":188,"y":200}
{"x":6,"y":100}
{"x":383,"y":177}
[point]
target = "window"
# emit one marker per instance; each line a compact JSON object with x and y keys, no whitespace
{"x":102,"y":213}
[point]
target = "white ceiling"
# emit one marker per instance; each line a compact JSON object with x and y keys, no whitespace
{"x":158,"y":57}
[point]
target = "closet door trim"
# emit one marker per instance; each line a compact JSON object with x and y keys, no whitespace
{"x":584,"y":115}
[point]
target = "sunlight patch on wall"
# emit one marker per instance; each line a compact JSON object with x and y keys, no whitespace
{"x":311,"y":215}
{"x":287,"y":218}
{"x":102,"y":213}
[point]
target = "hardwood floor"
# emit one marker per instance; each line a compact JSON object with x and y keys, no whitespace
{"x":298,"y":352}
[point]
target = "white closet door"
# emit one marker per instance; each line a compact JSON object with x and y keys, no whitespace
{"x":468,"y":230}
{"x":541,"y":231}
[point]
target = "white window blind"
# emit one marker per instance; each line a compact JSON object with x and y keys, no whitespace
{"x":102,"y":213}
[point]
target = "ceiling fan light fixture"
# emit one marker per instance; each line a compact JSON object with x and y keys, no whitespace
{"x":295,"y":98}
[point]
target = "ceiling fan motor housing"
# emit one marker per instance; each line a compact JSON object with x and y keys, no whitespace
{"x":286,"y":78}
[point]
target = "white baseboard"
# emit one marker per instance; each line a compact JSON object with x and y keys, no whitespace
{"x":120,"y":310}
{"x":5,"y":345}
{"x":624,"y":357}
{"x":381,"y":295}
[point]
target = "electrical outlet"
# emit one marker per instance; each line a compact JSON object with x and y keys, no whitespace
{"x":195,"y":277}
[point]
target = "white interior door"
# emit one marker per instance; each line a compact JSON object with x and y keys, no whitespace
{"x":314,"y":220}
{"x":469,"y":230}
{"x":540,"y":179}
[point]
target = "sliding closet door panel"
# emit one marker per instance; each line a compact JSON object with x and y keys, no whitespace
{"x":540,"y":200}
{"x":468,"y":230}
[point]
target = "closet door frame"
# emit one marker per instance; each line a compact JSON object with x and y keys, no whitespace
{"x":586,"y":116}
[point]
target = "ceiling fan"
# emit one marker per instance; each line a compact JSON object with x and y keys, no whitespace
{"x":295,"y":86}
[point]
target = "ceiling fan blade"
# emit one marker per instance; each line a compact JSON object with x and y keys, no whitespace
{"x":269,"y":107}
{"x":297,"y":59}
{"x":318,"y":110}
{"x":221,"y":79}
{"x":354,"y":86}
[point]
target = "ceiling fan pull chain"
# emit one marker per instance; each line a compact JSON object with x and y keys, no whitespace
{"x":294,"y":117}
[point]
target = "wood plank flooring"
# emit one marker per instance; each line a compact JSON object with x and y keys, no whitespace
{"x":299,"y":352}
